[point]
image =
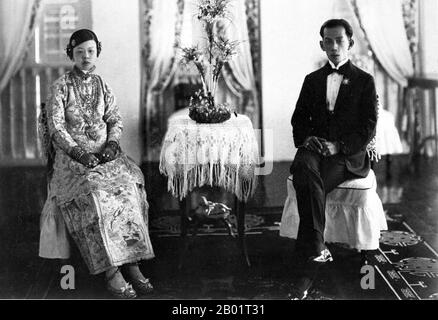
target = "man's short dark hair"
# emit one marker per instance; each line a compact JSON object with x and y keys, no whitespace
{"x":332,"y":23}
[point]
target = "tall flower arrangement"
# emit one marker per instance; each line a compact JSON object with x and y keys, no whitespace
{"x":209,"y":62}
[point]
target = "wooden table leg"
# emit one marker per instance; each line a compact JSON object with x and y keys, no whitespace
{"x":183,"y":211}
{"x":241,"y":229}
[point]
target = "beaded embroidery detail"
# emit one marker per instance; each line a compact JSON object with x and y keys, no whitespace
{"x":87,"y":100}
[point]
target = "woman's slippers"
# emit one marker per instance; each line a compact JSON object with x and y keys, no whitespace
{"x":143,"y":286}
{"x":126,"y":292}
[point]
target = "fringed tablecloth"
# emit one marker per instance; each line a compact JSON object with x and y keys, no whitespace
{"x":223,"y":155}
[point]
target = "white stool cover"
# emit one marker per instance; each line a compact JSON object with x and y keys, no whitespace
{"x":354,"y":214}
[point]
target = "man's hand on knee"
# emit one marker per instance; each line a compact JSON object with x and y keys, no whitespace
{"x":314,"y":144}
{"x":330,"y":148}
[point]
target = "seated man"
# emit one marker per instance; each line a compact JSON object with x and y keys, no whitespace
{"x":333,"y":122}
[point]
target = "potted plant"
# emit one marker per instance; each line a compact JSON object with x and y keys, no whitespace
{"x":209,"y":62}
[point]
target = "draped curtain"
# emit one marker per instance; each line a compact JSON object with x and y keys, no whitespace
{"x":161,"y":38}
{"x":17,"y":23}
{"x":18,"y":19}
{"x":172,"y":24}
{"x":253,"y":23}
{"x":239,"y":74}
{"x":394,"y":42}
{"x":382,"y":22}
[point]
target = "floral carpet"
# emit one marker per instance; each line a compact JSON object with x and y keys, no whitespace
{"x":404,"y":268}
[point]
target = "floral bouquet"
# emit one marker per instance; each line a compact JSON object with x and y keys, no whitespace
{"x":209,"y":63}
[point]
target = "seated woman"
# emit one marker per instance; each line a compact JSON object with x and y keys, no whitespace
{"x":94,"y":189}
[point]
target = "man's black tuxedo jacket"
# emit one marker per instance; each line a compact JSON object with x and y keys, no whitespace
{"x":352,"y":122}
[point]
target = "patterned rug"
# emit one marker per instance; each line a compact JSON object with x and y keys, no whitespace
{"x":169,"y":226}
{"x":405,"y":267}
{"x":406,"y":262}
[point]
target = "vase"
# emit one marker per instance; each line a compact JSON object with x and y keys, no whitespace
{"x":209,"y":114}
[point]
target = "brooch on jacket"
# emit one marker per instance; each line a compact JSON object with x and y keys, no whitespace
{"x":346,"y":82}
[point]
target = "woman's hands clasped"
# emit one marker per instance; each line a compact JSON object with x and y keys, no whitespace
{"x":89,"y":160}
{"x":109,"y":153}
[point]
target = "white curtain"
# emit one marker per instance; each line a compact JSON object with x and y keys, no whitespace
{"x":17,"y":22}
{"x":383,"y":24}
{"x":241,"y":63}
{"x":162,"y":34}
{"x":162,"y":51}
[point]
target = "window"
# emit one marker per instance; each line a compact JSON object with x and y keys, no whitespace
{"x":46,"y":60}
{"x":59,"y":18}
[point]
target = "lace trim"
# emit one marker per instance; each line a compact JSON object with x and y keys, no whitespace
{"x":224,"y":155}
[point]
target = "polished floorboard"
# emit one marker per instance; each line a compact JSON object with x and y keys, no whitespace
{"x":213,"y":267}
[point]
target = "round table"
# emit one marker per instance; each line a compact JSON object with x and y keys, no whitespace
{"x":218,"y":155}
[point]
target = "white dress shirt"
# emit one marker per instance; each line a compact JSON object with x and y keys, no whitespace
{"x":334,"y":81}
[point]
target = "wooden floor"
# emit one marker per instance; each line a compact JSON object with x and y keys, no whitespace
{"x":213,"y":266}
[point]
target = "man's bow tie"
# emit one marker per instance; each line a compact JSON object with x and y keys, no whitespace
{"x":339,"y":71}
{"x":342,"y":69}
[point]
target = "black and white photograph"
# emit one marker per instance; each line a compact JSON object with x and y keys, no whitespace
{"x":240,"y":152}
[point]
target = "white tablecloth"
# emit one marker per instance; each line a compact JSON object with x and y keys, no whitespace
{"x":223,"y":155}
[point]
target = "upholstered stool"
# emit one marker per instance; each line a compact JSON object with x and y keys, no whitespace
{"x":354,"y":214}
